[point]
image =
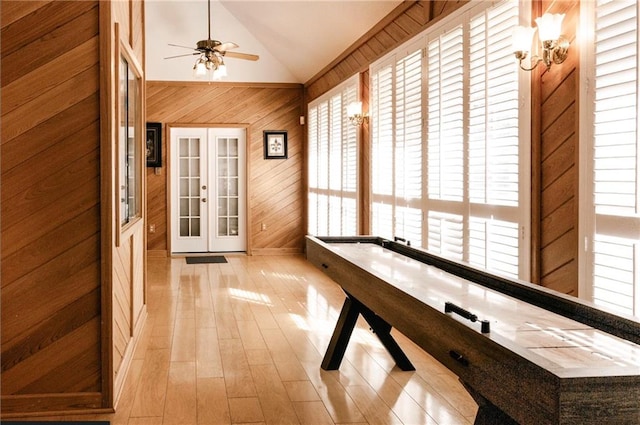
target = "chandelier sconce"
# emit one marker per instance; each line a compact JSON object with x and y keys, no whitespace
{"x":554,"y":46}
{"x":355,"y":115}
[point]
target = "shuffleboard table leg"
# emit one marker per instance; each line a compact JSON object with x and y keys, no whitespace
{"x":382,"y":329}
{"x":341,"y":335}
{"x":344,"y":328}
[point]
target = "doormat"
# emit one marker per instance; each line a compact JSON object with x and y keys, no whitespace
{"x":206,"y":260}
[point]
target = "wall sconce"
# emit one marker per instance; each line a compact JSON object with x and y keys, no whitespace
{"x":554,"y":47}
{"x":354,"y":113}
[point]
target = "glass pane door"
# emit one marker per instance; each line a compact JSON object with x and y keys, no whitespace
{"x":208,"y":167}
{"x":189,"y":190}
{"x":190,"y":179}
{"x":229,"y":183}
{"x":227,"y":187}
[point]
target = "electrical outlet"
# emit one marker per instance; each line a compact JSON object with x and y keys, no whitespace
{"x":152,"y":228}
{"x":264,"y":226}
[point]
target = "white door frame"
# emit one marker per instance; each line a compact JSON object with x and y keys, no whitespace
{"x":229,"y":206}
{"x":209,"y":134}
{"x":195,"y":188}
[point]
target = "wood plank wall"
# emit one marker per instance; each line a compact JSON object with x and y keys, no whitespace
{"x":556,"y":162}
{"x":275,"y":187}
{"x":126,"y":267}
{"x":50,"y":161}
{"x":554,"y":138}
{"x":69,"y":320}
{"x":364,"y":195}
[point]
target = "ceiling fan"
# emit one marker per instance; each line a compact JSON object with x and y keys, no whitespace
{"x":212,"y":53}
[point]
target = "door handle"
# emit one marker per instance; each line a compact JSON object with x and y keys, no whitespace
{"x":204,"y":199}
{"x":204,"y":187}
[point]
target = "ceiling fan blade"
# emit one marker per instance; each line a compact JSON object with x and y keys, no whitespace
{"x":228,"y":45}
{"x":185,"y":47}
{"x":180,"y":56}
{"x":239,"y":55}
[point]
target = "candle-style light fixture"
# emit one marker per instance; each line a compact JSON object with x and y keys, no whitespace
{"x":554,"y":46}
{"x":354,"y":113}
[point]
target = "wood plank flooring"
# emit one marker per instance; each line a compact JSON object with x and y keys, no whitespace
{"x":242,"y":343}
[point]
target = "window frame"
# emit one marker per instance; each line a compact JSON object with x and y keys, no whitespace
{"x":130,"y":161}
{"x":624,"y":227}
{"x":523,"y":212}
{"x":331,"y":191}
{"x":389,"y":196}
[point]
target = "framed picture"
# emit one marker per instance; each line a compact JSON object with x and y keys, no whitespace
{"x":275,"y":145}
{"x":154,"y":144}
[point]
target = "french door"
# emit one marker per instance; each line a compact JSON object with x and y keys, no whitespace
{"x":208,"y":196}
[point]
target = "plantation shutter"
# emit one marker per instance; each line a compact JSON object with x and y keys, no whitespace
{"x":382,"y":151}
{"x":616,"y":238}
{"x":397,"y":146}
{"x":445,"y":142}
{"x":450,"y":141}
{"x":332,"y":170}
{"x":312,"y":174}
{"x":323,"y":170}
{"x":493,"y":142}
{"x":349,"y":157}
{"x":335,"y":165}
{"x":473,"y":141}
{"x":408,"y":148}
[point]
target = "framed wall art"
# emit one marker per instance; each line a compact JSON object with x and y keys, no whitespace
{"x":275,"y":144}
{"x":154,"y":144}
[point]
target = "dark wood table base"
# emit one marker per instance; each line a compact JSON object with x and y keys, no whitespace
{"x":488,"y":413}
{"x":351,"y":309}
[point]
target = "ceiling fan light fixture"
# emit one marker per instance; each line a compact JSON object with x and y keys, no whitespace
{"x":211,"y":65}
{"x":220,"y":72}
{"x":200,"y":68}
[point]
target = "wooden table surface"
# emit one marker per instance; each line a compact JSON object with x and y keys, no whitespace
{"x":547,"y":358}
{"x":561,"y":345}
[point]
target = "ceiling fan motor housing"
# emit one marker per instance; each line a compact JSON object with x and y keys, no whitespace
{"x":208,"y":44}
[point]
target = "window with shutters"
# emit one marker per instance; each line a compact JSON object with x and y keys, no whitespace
{"x":610,"y":216}
{"x":333,"y":163}
{"x":450,"y":157}
{"x":396,"y":151}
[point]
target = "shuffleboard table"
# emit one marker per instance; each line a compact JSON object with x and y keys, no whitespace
{"x":526,"y":354}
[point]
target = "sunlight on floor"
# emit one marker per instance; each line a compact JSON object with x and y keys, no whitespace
{"x":249,"y":296}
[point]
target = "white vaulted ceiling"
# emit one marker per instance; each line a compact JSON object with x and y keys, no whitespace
{"x":295,"y":39}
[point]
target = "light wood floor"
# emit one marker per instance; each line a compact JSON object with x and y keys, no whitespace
{"x":242,"y":343}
